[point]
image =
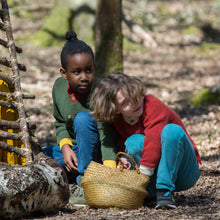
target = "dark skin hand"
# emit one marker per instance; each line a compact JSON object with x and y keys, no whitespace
{"x":69,"y":158}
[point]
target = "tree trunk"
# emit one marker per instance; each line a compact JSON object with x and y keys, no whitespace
{"x":40,"y":186}
{"x":108,"y":37}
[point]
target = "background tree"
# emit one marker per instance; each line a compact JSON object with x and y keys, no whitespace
{"x":108,"y":37}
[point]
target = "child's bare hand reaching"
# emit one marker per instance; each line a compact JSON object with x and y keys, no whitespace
{"x":69,"y":158}
{"x":126,"y":163}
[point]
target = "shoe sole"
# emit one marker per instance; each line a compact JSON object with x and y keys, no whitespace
{"x":165,"y":206}
{"x":79,"y":205}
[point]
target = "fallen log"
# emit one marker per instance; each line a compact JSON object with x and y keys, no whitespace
{"x":138,"y":34}
{"x":25,"y":189}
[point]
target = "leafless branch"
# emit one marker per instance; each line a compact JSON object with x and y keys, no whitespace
{"x":12,"y":95}
{"x":8,"y":105}
{"x":7,"y":63}
{"x":7,"y":79}
{"x":12,"y":149}
{"x":5,"y":44}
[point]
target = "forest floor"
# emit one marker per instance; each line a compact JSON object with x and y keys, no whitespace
{"x":178,"y":66}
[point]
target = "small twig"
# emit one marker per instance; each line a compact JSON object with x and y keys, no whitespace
{"x":8,"y":80}
{"x":11,"y":105}
{"x":9,"y":135}
{"x":12,"y":95}
{"x":15,"y":136}
{"x":4,"y":124}
{"x":2,"y":26}
{"x":7,"y":63}
{"x":5,"y":44}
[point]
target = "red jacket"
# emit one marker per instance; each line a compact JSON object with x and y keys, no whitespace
{"x":155,"y":117}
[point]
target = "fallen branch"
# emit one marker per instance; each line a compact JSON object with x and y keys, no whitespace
{"x":138,"y":33}
{"x":37,"y":8}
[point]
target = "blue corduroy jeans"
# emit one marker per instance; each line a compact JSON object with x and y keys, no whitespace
{"x":88,"y":144}
{"x":178,"y":168}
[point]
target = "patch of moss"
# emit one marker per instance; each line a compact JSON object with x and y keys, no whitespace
{"x":206,"y":47}
{"x":54,"y":29}
{"x":165,"y":11}
{"x":61,"y":19}
{"x":205,"y":97}
{"x":192,"y":30}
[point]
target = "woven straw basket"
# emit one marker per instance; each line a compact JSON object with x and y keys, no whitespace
{"x":114,"y":187}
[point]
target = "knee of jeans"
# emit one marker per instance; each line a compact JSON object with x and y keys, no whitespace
{"x":172,"y":131}
{"x":82,"y":118}
{"x":134,"y":143}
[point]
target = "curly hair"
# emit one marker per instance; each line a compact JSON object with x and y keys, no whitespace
{"x":104,"y":96}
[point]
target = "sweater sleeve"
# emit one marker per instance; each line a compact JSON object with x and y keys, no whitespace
{"x":108,"y":139}
{"x":60,"y":124}
{"x":155,"y":117}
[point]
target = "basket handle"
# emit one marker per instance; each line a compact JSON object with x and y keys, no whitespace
{"x":127,"y":155}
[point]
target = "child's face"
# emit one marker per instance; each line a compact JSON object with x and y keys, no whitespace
{"x":125,"y":108}
{"x":80,"y":71}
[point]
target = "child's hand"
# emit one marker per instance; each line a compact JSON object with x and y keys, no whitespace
{"x":69,"y":158}
{"x":126,"y":163}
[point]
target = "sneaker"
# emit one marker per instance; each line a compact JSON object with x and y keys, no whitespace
{"x":77,"y":196}
{"x":150,"y":202}
{"x":165,"y":199}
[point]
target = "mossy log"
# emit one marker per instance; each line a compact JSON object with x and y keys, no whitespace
{"x":39,"y":186}
{"x":207,"y":96}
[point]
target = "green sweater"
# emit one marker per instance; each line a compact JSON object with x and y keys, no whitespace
{"x":64,"y":111}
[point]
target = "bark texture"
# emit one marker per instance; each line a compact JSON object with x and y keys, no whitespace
{"x":39,"y":186}
{"x":108,"y":37}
